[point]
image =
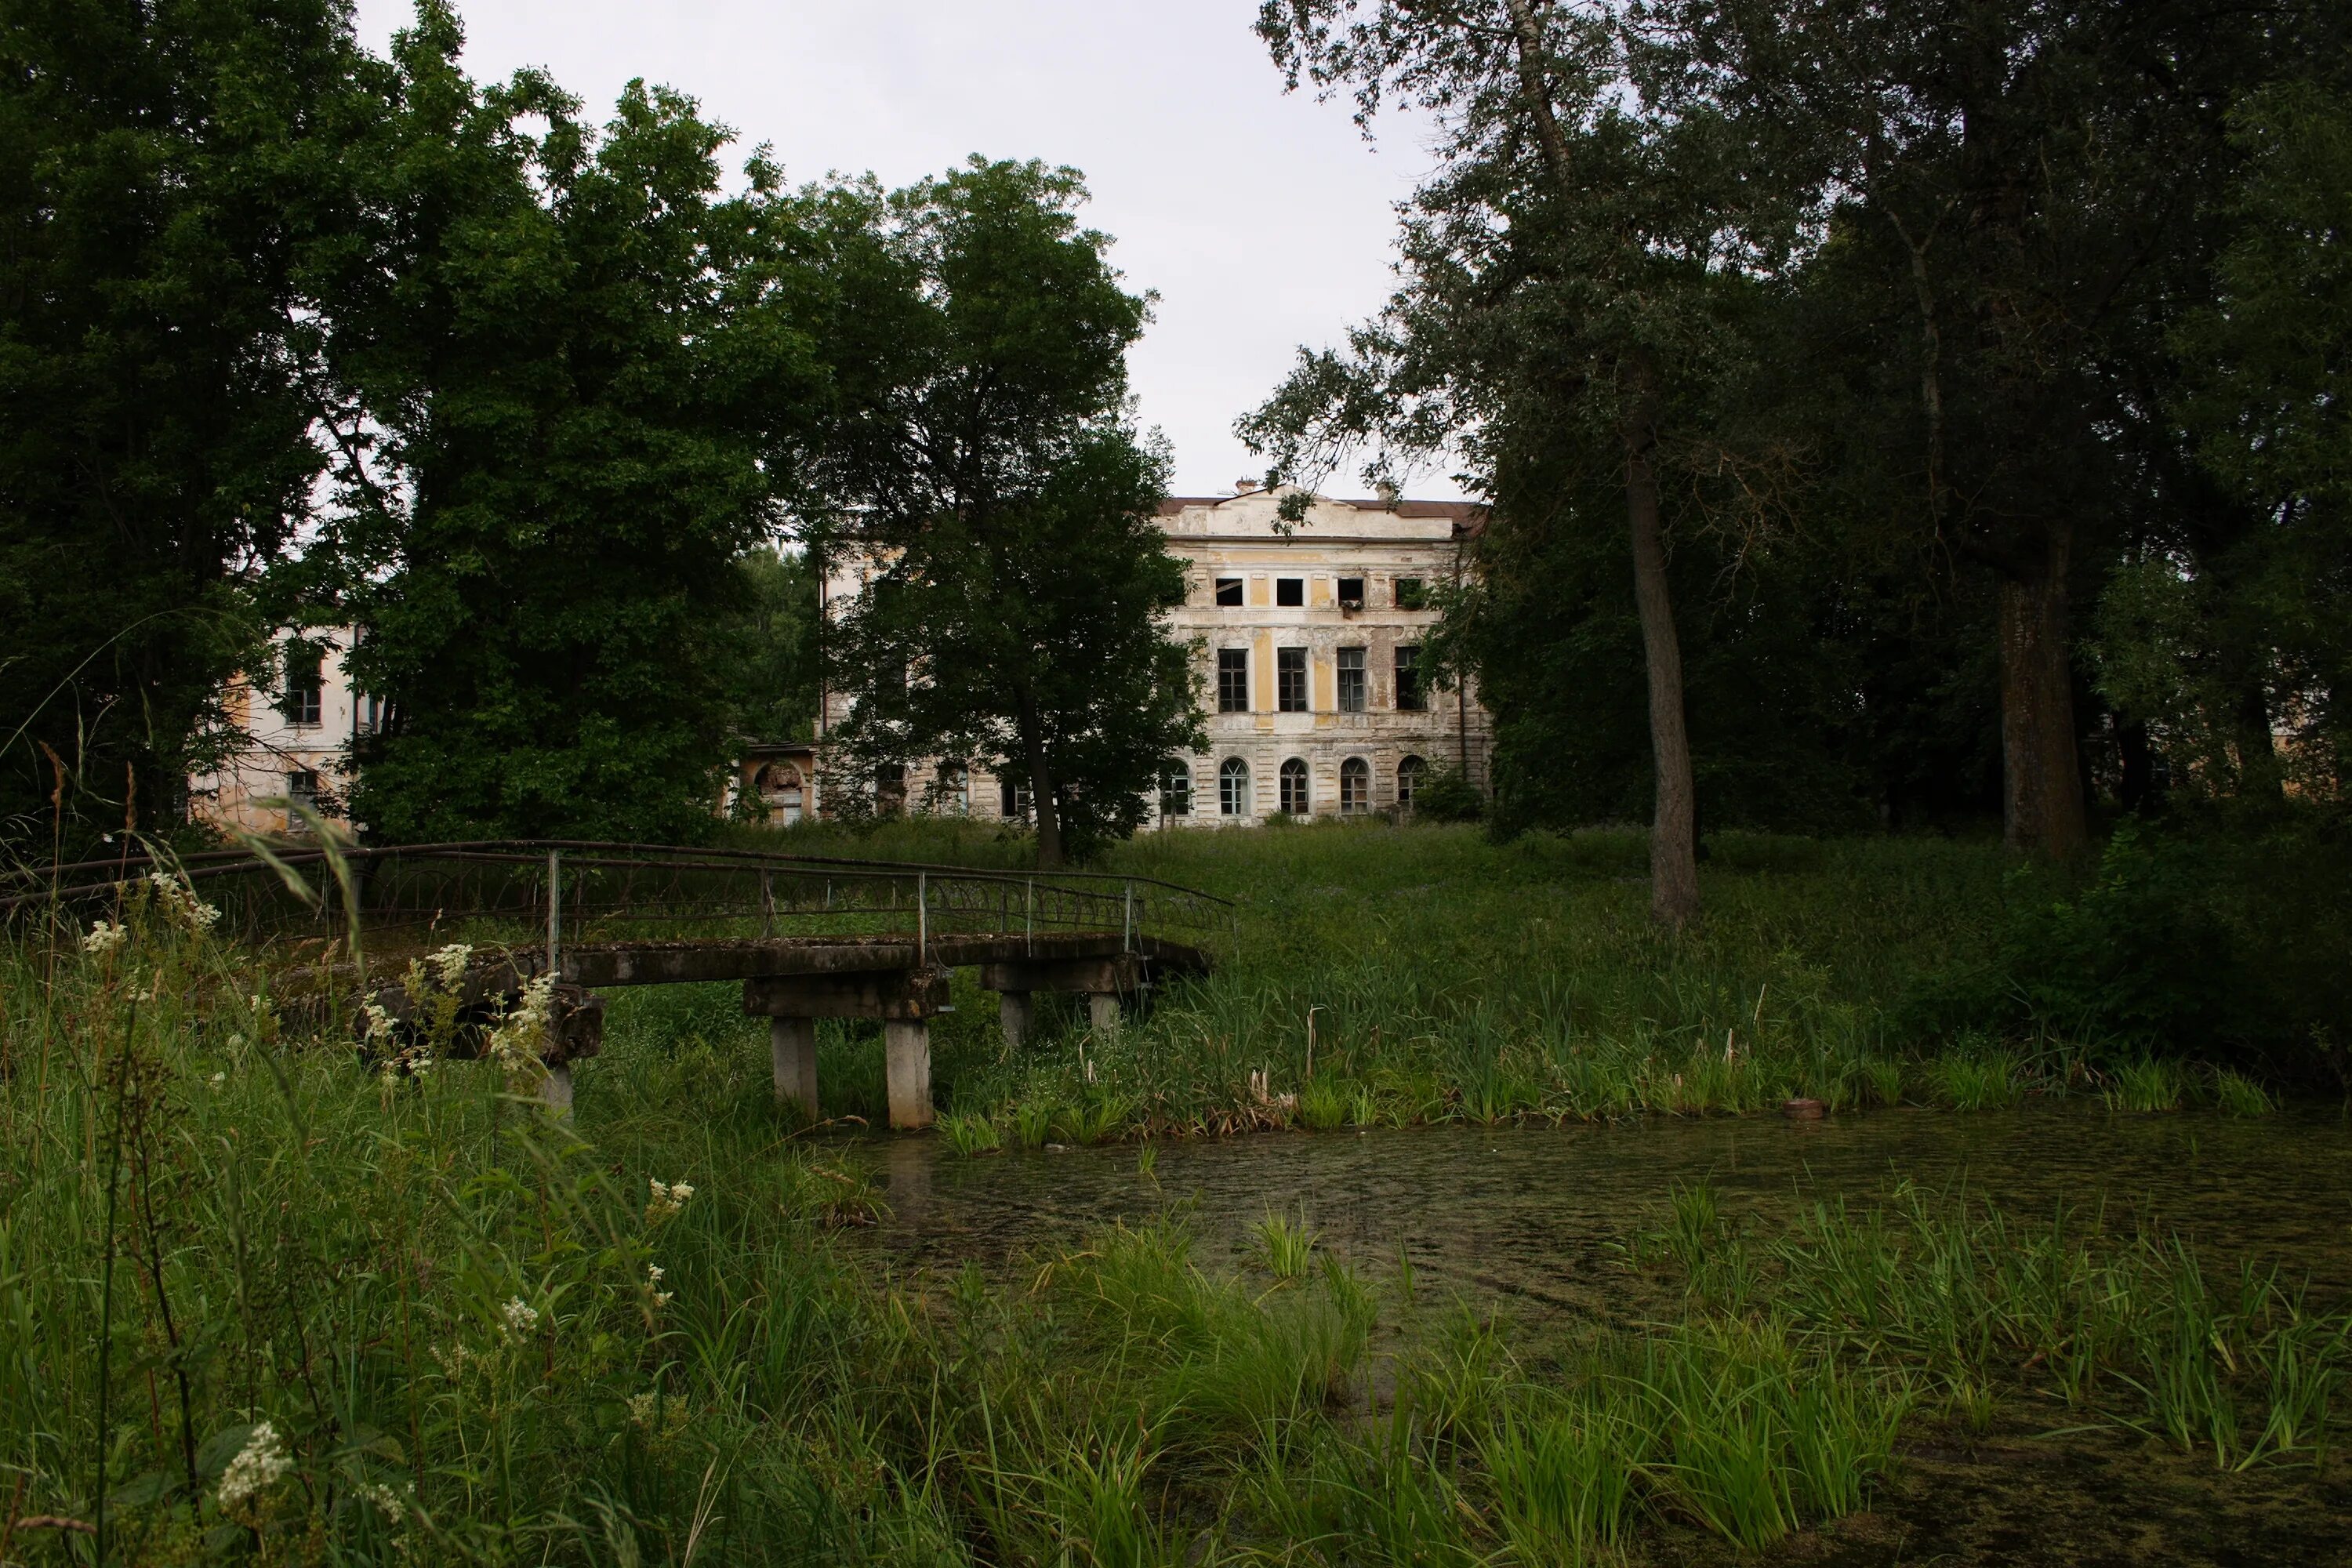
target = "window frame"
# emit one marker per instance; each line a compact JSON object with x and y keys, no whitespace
{"x":1290,"y":592}
{"x":1232,"y":680}
{"x":1176,"y":790}
{"x":1411,"y":772}
{"x":1405,"y":663}
{"x":1291,"y":694}
{"x":1356,"y":801}
{"x":1295,"y":774}
{"x":1409,"y":592}
{"x":1347,"y":601}
{"x":1354,"y":696}
{"x":1234,"y":787}
{"x":1229,"y":593}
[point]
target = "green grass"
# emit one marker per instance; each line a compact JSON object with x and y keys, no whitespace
{"x":478,"y":1333}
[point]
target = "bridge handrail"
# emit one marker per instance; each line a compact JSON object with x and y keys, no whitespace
{"x":208,"y":864}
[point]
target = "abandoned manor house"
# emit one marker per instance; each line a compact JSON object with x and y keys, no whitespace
{"x":1308,"y":643}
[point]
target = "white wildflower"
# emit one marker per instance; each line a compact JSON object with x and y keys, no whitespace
{"x":521,"y":1036}
{"x":180,"y":902}
{"x":394,"y":1508}
{"x":449,"y":964}
{"x":380,"y":1021}
{"x":643,"y":1407}
{"x":653,"y":1284}
{"x":520,"y":1317}
{"x":259,"y":1465}
{"x":105,"y":936}
{"x":666,"y":1199}
{"x":218,"y":1080}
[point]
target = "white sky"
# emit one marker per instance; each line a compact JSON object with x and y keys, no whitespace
{"x":1262,"y":220}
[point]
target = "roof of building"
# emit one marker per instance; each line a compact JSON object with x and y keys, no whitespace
{"x":1461,"y":512}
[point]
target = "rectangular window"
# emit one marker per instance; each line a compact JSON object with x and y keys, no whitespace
{"x":1176,"y":790}
{"x":1351,"y":593}
{"x":1015,"y":800}
{"x":302,"y":786}
{"x":1411,"y":594}
{"x":1351,"y":680}
{"x":1229,"y":592}
{"x":305,"y":701}
{"x":1232,"y":680}
{"x":1290,"y":679}
{"x":1408,"y":680}
{"x":1290,"y":591}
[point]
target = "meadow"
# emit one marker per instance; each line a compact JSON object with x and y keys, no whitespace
{"x":267,"y":1296}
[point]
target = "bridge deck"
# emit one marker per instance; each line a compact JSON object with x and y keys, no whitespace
{"x":599,"y":964}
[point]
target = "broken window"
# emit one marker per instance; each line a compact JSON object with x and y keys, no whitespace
{"x":1229,"y":592}
{"x":302,"y":787}
{"x":1411,"y":594}
{"x":1176,"y":790}
{"x":1351,"y":680}
{"x":1408,"y":679}
{"x":1294,"y":789}
{"x":1351,"y":593}
{"x":1232,"y":680}
{"x":890,"y":789}
{"x":1014,"y":802}
{"x":1409,"y":776}
{"x":1290,"y":679}
{"x":1355,"y":787}
{"x":1290,"y":591}
{"x":1234,"y":787}
{"x":304,"y":703}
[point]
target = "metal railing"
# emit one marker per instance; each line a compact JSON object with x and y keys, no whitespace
{"x":572,"y":891}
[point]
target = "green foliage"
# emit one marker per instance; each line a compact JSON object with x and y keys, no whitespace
{"x":589,"y":369}
{"x":1447,"y":795}
{"x":983,"y":470}
{"x":167,"y":171}
{"x":766,"y":652}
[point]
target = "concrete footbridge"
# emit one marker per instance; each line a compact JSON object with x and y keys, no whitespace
{"x":807,"y":937}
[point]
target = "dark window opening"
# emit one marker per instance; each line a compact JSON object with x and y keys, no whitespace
{"x":1355,"y":787}
{"x":1409,"y":776}
{"x":1176,"y":790}
{"x":302,"y":786}
{"x":1232,"y":680}
{"x":1014,"y":802}
{"x":1290,"y":591}
{"x":1229,"y":591}
{"x":1351,"y":593}
{"x":1290,"y":679}
{"x":1408,"y":680}
{"x":305,"y":701}
{"x":1351,"y":680}
{"x":890,"y":789}
{"x":1294,"y":801}
{"x":1411,"y":594}
{"x":1234,"y":787}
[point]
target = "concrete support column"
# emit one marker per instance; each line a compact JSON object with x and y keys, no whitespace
{"x":555,"y":1088}
{"x":791,"y":1044}
{"x":1102,"y":1011}
{"x":907,"y":1065}
{"x":1019,"y":1015}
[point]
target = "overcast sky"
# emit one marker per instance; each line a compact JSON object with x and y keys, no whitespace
{"x":1262,"y":220}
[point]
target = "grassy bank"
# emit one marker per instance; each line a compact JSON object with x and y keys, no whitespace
{"x":1382,"y":976}
{"x":260,"y":1301}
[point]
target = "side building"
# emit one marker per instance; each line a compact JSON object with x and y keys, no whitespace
{"x":292,"y":746}
{"x":1309,"y":641}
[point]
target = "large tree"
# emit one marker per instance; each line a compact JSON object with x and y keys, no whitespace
{"x":574,"y":379}
{"x":164,"y":169}
{"x":983,"y":475}
{"x":2032,"y":179}
{"x":1574,"y":279}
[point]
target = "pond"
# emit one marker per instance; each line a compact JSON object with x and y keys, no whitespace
{"x":1533,"y":1215}
{"x":1529,"y":1222}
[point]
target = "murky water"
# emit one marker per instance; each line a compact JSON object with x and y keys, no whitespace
{"x":1528,"y":1219}
{"x":1534,"y":1213}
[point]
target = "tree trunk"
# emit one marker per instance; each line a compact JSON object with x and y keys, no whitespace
{"x":2260,"y":780}
{"x":2042,"y":779}
{"x":1042,"y":803}
{"x":1674,"y":848}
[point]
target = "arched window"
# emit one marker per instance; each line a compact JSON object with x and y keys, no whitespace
{"x":1234,"y":787}
{"x":1355,"y":787}
{"x":1176,"y":790}
{"x":1294,"y":789}
{"x":952,"y":790}
{"x":1410,"y":772}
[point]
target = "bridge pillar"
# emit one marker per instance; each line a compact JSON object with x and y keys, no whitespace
{"x":791,"y":1043}
{"x":907,"y":1068}
{"x":555,"y":1088}
{"x":1102,"y":1011}
{"x":1018,"y":1014}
